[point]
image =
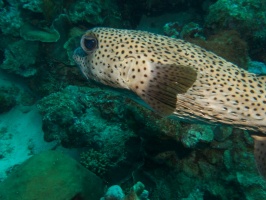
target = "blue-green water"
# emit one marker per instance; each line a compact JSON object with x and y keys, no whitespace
{"x":64,"y":137}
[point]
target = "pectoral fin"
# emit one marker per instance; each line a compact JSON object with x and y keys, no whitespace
{"x":260,"y":154}
{"x":161,"y":84}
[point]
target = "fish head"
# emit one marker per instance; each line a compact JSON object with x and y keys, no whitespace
{"x":99,"y":57}
{"x":135,"y":60}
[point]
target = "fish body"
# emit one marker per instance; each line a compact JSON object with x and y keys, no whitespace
{"x":176,"y":78}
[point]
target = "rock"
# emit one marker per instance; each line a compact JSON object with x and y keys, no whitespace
{"x":221,"y":133}
{"x":21,"y":58}
{"x":257,"y":67}
{"x":231,"y":15}
{"x":51,"y":175}
{"x":227,"y":44}
{"x":10,"y":20}
{"x":87,"y":11}
{"x":197,"y":134}
{"x":34,"y":6}
{"x":114,"y":192}
{"x":7,"y":98}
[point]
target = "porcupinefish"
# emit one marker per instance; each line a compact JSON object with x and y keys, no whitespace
{"x":177,"y":78}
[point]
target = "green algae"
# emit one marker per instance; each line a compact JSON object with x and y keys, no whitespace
{"x":51,"y":175}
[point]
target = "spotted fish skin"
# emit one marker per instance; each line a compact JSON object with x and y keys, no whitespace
{"x":175,"y":77}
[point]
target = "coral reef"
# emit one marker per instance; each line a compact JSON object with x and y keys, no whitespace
{"x":7,"y":98}
{"x":191,"y":30}
{"x":46,"y":22}
{"x":95,"y":161}
{"x":34,"y":6}
{"x":86,"y":11}
{"x":208,"y":166}
{"x":137,"y":192}
{"x":246,"y":16}
{"x":227,"y":44}
{"x":118,"y":139}
{"x":95,"y":12}
{"x":172,"y":29}
{"x":186,"y":151}
{"x":197,"y":134}
{"x":10,"y":21}
{"x":185,"y":31}
{"x":19,"y":61}
{"x":114,"y":192}
{"x":12,"y":95}
{"x":87,"y":111}
{"x":43,"y":34}
{"x":99,"y":119}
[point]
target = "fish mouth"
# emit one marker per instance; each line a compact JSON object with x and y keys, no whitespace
{"x":79,"y":52}
{"x":79,"y":56}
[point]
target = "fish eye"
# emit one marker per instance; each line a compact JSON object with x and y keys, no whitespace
{"x":89,"y":43}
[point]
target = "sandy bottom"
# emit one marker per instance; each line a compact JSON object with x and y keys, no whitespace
{"x":21,"y":136}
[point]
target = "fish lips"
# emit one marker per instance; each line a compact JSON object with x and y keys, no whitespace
{"x":79,"y":52}
{"x":79,"y":56}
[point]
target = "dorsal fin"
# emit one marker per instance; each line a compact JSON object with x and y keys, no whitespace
{"x":260,"y":154}
{"x":160,"y":88}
